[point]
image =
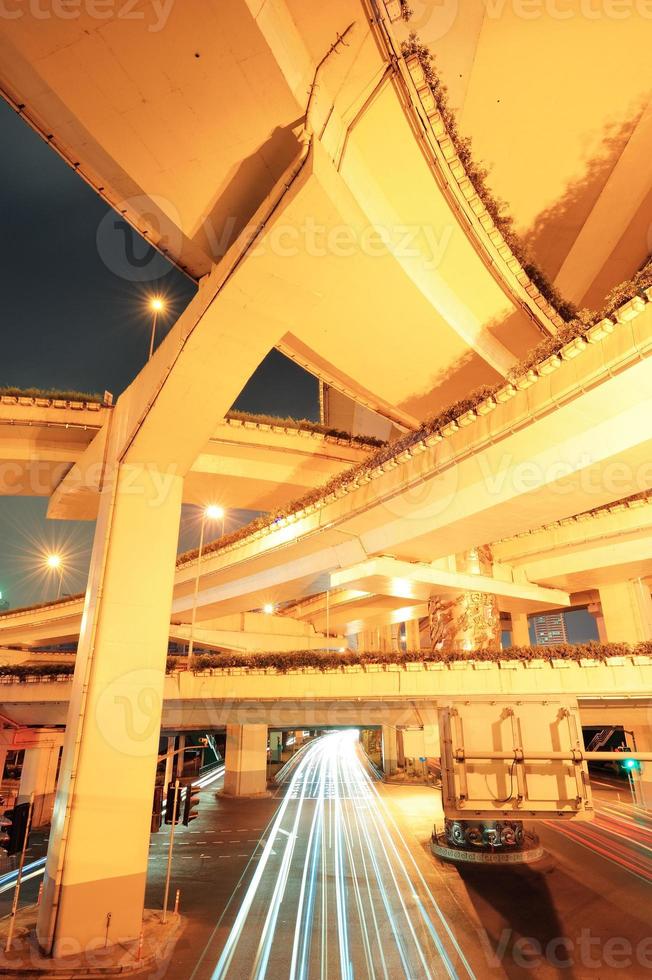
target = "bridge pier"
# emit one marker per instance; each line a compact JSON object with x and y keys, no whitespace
{"x":275,"y":746}
{"x":389,"y":749}
{"x":39,"y":776}
{"x":246,"y":761}
{"x":520,"y":630}
{"x":627,"y":611}
{"x":99,"y":844}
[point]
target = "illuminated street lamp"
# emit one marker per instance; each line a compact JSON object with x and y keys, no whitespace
{"x":156,"y":305}
{"x":211,"y":513}
{"x":54,"y":563}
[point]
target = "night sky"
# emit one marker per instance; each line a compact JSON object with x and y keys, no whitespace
{"x":70,"y":320}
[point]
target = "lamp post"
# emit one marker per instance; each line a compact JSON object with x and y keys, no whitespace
{"x":54,"y":563}
{"x":211,"y":513}
{"x":156,"y":305}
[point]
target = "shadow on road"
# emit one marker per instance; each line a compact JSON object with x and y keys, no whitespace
{"x":516,"y":908}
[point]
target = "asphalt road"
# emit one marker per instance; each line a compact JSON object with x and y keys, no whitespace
{"x":585,"y":910}
{"x":335,"y":891}
{"x":332,"y":878}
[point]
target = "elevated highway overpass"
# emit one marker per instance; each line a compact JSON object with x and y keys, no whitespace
{"x":410,"y":226}
{"x":570,"y":437}
{"x":289,"y":201}
{"x":349,"y":696}
{"x":247,"y":463}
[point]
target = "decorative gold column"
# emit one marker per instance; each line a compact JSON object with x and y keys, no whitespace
{"x":470,"y":621}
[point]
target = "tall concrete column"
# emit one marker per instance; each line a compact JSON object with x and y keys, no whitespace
{"x":627,"y":611}
{"x":471,"y":621}
{"x":520,"y":630}
{"x":412,"y":635}
{"x":179,"y":759}
{"x":298,"y":737}
{"x":595,"y":609}
{"x":110,"y":751}
{"x":431,"y":742}
{"x":246,"y":761}
{"x":389,"y":749}
{"x":275,"y":746}
{"x":169,"y":762}
{"x":39,"y":776}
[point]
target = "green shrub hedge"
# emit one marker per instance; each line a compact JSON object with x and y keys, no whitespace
{"x":294,"y":659}
{"x":65,"y":394}
{"x":315,"y":659}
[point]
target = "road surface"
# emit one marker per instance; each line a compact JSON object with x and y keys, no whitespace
{"x":335,"y":891}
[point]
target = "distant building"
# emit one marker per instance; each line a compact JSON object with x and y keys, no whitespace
{"x":550,"y":628}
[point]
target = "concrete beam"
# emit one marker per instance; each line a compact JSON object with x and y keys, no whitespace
{"x":417,"y":582}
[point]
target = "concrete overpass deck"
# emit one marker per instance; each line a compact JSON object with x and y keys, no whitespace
{"x":545,"y":449}
{"x":247,"y":463}
{"x":573,"y":434}
{"x":378,"y":694}
{"x":413,"y":232}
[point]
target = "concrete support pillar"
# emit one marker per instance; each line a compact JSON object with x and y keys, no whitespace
{"x":177,"y":768}
{"x":389,"y":750}
{"x":246,"y":761}
{"x":39,"y":776}
{"x":169,"y":762}
{"x":627,"y":611}
{"x":412,"y":635}
{"x":400,"y":749}
{"x":369,"y":640}
{"x":275,"y":746}
{"x":114,"y":719}
{"x":595,"y":609}
{"x":520,"y":630}
{"x":431,"y":743}
{"x":470,"y":621}
{"x":298,"y":738}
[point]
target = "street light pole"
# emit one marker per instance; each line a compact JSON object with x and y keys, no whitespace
{"x":175,"y":809}
{"x":156,"y":305}
{"x":191,"y":644}
{"x":54,"y":562}
{"x":212,"y":512}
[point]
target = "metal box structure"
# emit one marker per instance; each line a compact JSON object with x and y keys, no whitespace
{"x":515,"y":759}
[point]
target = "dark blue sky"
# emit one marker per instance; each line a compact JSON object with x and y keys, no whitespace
{"x":70,"y":320}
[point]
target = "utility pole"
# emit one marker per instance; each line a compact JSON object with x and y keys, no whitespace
{"x":175,"y":808}
{"x":14,"y":905}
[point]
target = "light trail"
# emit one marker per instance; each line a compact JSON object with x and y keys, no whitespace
{"x":335,"y":890}
{"x":37,"y":867}
{"x":621,"y":833}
